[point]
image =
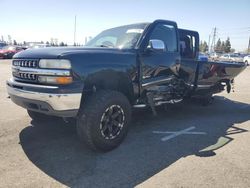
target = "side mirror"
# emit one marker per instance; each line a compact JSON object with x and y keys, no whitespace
{"x":156,"y":45}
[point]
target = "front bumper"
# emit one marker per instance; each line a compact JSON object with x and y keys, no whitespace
{"x":63,"y":105}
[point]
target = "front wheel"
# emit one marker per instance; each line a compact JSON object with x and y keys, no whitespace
{"x":103,"y":121}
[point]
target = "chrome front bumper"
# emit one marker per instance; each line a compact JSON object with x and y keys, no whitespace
{"x":52,"y":104}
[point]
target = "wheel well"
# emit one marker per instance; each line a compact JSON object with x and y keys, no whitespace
{"x":110,"y":80}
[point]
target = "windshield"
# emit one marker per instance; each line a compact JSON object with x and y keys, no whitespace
{"x":119,"y":37}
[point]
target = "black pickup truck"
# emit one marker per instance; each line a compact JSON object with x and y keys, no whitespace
{"x":146,"y":64}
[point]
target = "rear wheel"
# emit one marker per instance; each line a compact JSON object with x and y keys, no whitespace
{"x":103,"y":121}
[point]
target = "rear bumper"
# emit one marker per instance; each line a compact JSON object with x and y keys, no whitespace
{"x":63,"y":105}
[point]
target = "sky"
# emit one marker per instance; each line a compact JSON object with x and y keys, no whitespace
{"x":31,"y":20}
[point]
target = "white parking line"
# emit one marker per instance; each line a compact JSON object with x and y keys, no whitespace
{"x":177,"y":133}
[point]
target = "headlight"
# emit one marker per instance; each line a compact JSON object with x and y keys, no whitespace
{"x":54,"y":64}
{"x":55,"y":80}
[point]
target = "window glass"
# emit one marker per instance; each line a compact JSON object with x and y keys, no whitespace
{"x":107,"y":39}
{"x":124,"y":37}
{"x":187,"y":46}
{"x":167,"y":34}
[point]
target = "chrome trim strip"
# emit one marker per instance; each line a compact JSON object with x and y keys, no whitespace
{"x":139,"y":105}
{"x":199,"y":86}
{"x":14,"y":83}
{"x":157,"y":82}
{"x":48,"y":72}
{"x":58,"y":102}
{"x":204,"y":86}
{"x":191,"y":85}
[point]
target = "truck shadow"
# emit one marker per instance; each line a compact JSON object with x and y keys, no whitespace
{"x":54,"y":148}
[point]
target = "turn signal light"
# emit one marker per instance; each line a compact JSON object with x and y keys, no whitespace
{"x":62,"y":80}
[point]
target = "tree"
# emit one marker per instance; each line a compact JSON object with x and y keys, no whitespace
{"x":232,"y":50}
{"x":47,"y":43}
{"x":24,"y":43}
{"x":203,"y":46}
{"x":227,"y":45}
{"x":42,"y":42}
{"x":9,"y":40}
{"x":218,"y":46}
{"x":223,"y":46}
{"x":14,"y":42}
{"x":61,"y":44}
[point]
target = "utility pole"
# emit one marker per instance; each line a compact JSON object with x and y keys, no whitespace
{"x":75,"y":32}
{"x":86,"y":40}
{"x":248,"y":49}
{"x":213,"y":39}
{"x":9,"y":40}
{"x":209,"y":50}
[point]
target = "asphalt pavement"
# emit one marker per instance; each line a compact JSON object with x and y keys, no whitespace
{"x":187,"y":145}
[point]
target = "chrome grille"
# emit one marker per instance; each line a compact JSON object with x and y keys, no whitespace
{"x":27,"y":70}
{"x":25,"y":76}
{"x":25,"y":63}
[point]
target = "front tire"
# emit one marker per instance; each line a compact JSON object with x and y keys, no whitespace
{"x":103,"y":121}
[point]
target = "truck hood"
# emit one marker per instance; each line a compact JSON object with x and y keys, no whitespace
{"x":58,"y":52}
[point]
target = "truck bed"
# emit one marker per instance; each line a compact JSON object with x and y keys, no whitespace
{"x":213,"y":72}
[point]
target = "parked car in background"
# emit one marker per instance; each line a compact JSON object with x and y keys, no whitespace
{"x":2,"y":44}
{"x":7,"y":52}
{"x":247,"y":59}
{"x":214,"y":55}
{"x":231,"y":57}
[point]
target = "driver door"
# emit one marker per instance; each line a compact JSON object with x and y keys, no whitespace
{"x":159,"y":66}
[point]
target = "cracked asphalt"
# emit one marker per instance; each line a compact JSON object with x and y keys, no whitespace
{"x":48,"y":154}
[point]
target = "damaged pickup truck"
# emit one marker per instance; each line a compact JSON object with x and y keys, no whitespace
{"x":146,"y":64}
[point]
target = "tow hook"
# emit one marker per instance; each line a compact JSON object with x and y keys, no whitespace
{"x":232,"y":83}
{"x":229,"y":86}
